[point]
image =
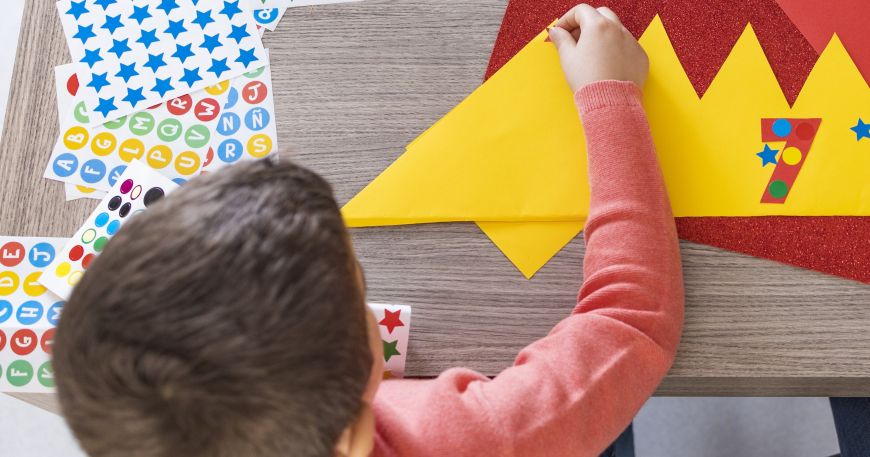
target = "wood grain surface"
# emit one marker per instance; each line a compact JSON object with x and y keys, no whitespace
{"x":354,"y":84}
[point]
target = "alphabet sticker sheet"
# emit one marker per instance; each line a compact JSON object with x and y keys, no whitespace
{"x":24,"y":302}
{"x":134,"y":191}
{"x":246,"y":129}
{"x":394,"y":322}
{"x":25,"y":359}
{"x":172,"y":137}
{"x":138,"y":53}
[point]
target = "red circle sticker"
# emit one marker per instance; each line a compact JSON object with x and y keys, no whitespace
{"x":255,"y":92}
{"x":11,"y":254}
{"x":86,"y":262}
{"x":179,"y":106}
{"x":76,"y":252}
{"x":72,"y":84}
{"x":207,"y":110}
{"x":47,"y":341}
{"x":208,"y":157}
{"x":2,"y":340}
{"x":23,"y":342}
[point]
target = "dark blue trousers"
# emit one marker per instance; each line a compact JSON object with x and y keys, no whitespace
{"x":852,"y":420}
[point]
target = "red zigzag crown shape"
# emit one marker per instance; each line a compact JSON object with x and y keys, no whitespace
{"x":703,"y":33}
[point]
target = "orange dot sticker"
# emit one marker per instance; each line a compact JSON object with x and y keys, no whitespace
{"x":159,"y":156}
{"x":62,"y":269}
{"x":218,"y":88}
{"x":187,"y":163}
{"x":32,"y":286}
{"x":8,"y":282}
{"x":792,"y":155}
{"x":131,"y":149}
{"x":103,"y":144}
{"x":259,"y":146}
{"x":75,"y":138}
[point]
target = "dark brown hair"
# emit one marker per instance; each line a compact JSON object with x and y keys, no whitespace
{"x":227,"y":320}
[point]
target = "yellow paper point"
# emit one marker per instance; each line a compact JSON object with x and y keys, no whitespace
{"x":530,"y":245}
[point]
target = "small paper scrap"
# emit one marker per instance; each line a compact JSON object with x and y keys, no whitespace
{"x":394,"y":322}
{"x":137,"y":189}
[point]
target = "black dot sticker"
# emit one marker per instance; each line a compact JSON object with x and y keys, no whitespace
{"x":114,"y":203}
{"x":154,"y":194}
{"x":125,"y":210}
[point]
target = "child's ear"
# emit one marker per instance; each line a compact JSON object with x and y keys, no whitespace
{"x":358,"y":439}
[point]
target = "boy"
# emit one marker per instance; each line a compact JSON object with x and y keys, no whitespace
{"x":230,"y":319}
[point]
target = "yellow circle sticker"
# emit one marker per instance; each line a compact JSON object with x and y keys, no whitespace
{"x":103,"y":144}
{"x":159,"y":156}
{"x":187,"y":163}
{"x":85,"y":190}
{"x":75,"y":138}
{"x":131,"y":149}
{"x":218,"y":88}
{"x":792,"y":155}
{"x":74,"y":278}
{"x":8,"y":282}
{"x":62,"y":269}
{"x":32,"y":286}
{"x":259,"y":146}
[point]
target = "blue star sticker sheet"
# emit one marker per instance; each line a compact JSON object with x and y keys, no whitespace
{"x":138,"y":53}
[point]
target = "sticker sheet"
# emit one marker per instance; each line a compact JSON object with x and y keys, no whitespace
{"x":246,"y":129}
{"x":293,"y":3}
{"x":269,"y":18}
{"x":25,"y":360}
{"x":135,"y":190}
{"x":172,"y":137}
{"x":138,"y":53}
{"x":394,"y":322}
{"x":24,"y":302}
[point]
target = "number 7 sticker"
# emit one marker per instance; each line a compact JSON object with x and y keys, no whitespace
{"x":798,"y":135}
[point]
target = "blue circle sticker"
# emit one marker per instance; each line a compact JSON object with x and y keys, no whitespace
{"x":179,"y":181}
{"x":65,"y":165}
{"x":230,"y":150}
{"x":115,"y":174}
{"x":232,"y":98}
{"x":257,"y":119}
{"x":93,"y":171}
{"x":101,"y":219}
{"x":41,"y":255}
{"x":113,"y":227}
{"x":229,"y":124}
{"x":54,"y":312}
{"x":781,"y":128}
{"x":266,"y":16}
{"x":29,"y":313}
{"x":5,"y":311}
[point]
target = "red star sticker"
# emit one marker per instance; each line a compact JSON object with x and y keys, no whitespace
{"x":391,"y":320}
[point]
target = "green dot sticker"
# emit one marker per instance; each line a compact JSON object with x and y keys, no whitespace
{"x":197,"y":136}
{"x":19,"y":373}
{"x":255,"y":73}
{"x":169,"y":130}
{"x":81,"y":113}
{"x":100,"y":243}
{"x":116,"y":124}
{"x":142,"y":123}
{"x":45,"y":375}
{"x":778,"y":189}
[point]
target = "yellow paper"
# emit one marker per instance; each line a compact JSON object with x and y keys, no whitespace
{"x":513,"y":151}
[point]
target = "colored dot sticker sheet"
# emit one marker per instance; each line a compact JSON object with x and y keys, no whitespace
{"x":25,"y":360}
{"x":246,"y":129}
{"x":294,"y":3}
{"x":138,"y":53}
{"x":394,"y":322}
{"x":135,"y":190}
{"x":172,"y":137}
{"x":24,"y":301}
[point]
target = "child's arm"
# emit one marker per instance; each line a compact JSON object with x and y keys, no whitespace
{"x":572,"y":392}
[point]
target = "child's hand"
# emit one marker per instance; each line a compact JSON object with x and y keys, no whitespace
{"x":594,"y":46}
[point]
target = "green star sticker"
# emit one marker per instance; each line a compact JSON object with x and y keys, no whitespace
{"x":390,"y":350}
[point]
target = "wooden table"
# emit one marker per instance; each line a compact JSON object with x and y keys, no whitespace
{"x":354,"y":84}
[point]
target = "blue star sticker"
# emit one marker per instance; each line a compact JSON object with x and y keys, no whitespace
{"x":134,"y":96}
{"x":239,"y":33}
{"x":175,"y":28}
{"x":91,"y":57}
{"x":246,"y":56}
{"x":85,"y":33}
{"x":120,"y":47}
{"x":861,"y":130}
{"x":105,"y":3}
{"x":155,"y":62}
{"x":767,"y":155}
{"x":127,"y":72}
{"x":113,"y":23}
{"x":140,"y":13}
{"x":231,"y":9}
{"x":218,"y":67}
{"x":77,"y":9}
{"x":167,"y":6}
{"x":106,"y":106}
{"x":203,"y":18}
{"x":163,"y":86}
{"x":211,"y":42}
{"x":98,"y":82}
{"x":183,"y":52}
{"x":191,"y":77}
{"x":148,"y":38}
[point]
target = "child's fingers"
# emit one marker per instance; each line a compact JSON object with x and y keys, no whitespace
{"x":609,"y":14}
{"x":578,"y":17}
{"x":562,"y":39}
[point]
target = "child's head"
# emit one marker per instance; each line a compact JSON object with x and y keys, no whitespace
{"x":227,"y":320}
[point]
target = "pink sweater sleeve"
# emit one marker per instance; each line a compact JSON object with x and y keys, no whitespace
{"x":574,"y":391}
